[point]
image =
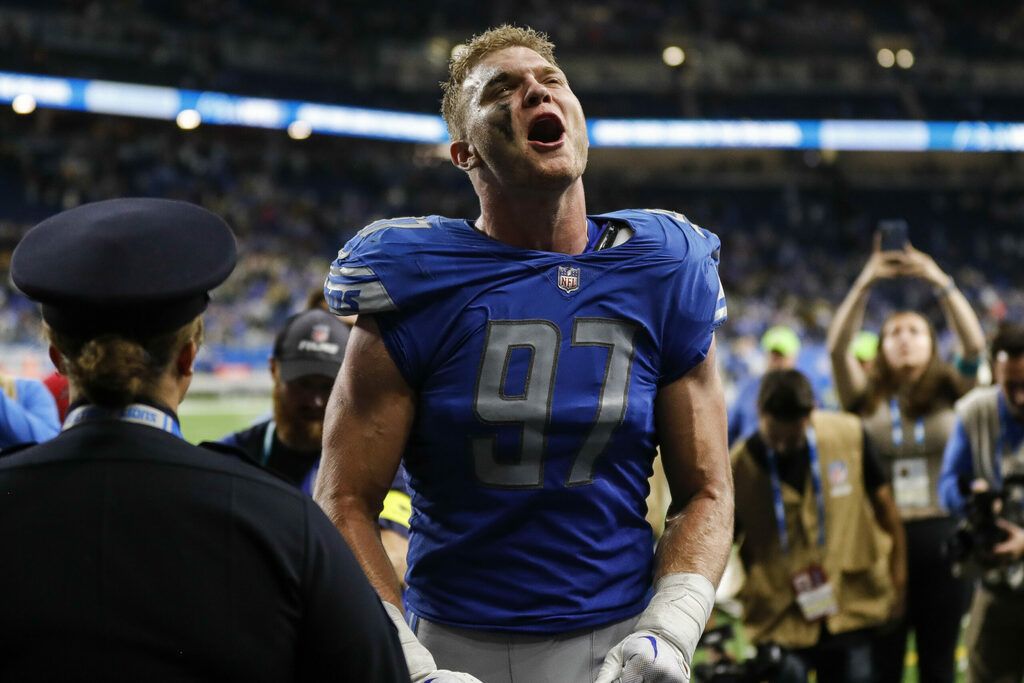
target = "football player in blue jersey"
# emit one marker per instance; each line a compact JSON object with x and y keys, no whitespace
{"x":525,"y":366}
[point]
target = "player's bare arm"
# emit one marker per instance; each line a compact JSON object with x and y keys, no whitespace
{"x":691,"y":425}
{"x":365,"y":428}
{"x":368,"y":420}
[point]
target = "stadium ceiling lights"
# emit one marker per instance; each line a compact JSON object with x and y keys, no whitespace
{"x":903,"y":58}
{"x":188,"y":119}
{"x":299,"y":129}
{"x":304,"y":118}
{"x":673,"y":55}
{"x":23,"y":104}
{"x":886,"y":58}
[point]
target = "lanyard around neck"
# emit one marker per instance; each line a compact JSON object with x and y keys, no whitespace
{"x":134,"y":413}
{"x":819,"y":499}
{"x":268,"y":442}
{"x":897,"y":425}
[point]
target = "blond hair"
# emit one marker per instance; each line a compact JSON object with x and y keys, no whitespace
{"x":479,"y":46}
{"x":112,"y":370}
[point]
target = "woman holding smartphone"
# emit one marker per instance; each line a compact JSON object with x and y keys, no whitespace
{"x":906,"y":401}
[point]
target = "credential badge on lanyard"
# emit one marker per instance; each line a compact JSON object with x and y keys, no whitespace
{"x":910,"y":481}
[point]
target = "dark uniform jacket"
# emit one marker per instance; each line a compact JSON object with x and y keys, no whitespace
{"x":300,"y":468}
{"x":129,"y":554}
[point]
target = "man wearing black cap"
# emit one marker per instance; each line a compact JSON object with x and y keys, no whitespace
{"x":130,"y":554}
{"x":306,"y":359}
{"x":307,"y":356}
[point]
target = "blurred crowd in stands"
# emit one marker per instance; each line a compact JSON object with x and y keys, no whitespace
{"x":791,"y":248}
{"x":745,"y":58}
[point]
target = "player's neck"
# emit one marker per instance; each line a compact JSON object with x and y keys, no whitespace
{"x":546,"y":222}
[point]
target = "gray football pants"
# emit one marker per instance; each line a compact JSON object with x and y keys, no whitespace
{"x":494,"y":657}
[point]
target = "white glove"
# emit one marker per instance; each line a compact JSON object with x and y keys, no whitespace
{"x":661,"y":646}
{"x":446,"y":676}
{"x":422,"y":668}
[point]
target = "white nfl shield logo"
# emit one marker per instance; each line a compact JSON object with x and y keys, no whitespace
{"x":320,"y":333}
{"x":568,"y":279}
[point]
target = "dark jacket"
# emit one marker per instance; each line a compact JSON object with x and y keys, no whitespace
{"x":129,"y":554}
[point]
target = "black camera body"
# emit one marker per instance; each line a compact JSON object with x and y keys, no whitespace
{"x":977,"y":533}
{"x":970,"y":546}
{"x":764,"y":666}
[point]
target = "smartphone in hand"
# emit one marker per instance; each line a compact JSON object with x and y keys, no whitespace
{"x":894,"y":234}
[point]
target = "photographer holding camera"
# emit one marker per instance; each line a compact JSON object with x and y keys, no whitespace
{"x":985,"y":454}
{"x":819,"y":535}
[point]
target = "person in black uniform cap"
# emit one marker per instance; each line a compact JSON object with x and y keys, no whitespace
{"x":128,"y":553}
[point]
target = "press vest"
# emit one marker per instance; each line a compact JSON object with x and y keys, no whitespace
{"x":992,"y":459}
{"x":856,"y":551}
{"x":979,"y":413}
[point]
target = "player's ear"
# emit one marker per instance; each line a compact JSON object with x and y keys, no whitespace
{"x":463,"y":155}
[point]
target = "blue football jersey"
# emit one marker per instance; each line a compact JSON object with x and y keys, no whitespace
{"x":536,"y":374}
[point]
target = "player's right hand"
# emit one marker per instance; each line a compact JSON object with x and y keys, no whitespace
{"x":445,"y":676}
{"x":661,"y":646}
{"x":644,"y":658}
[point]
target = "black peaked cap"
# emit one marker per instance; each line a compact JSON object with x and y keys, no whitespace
{"x":133,"y":266}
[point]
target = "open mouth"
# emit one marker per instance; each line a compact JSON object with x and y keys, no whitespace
{"x":546,"y":129}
